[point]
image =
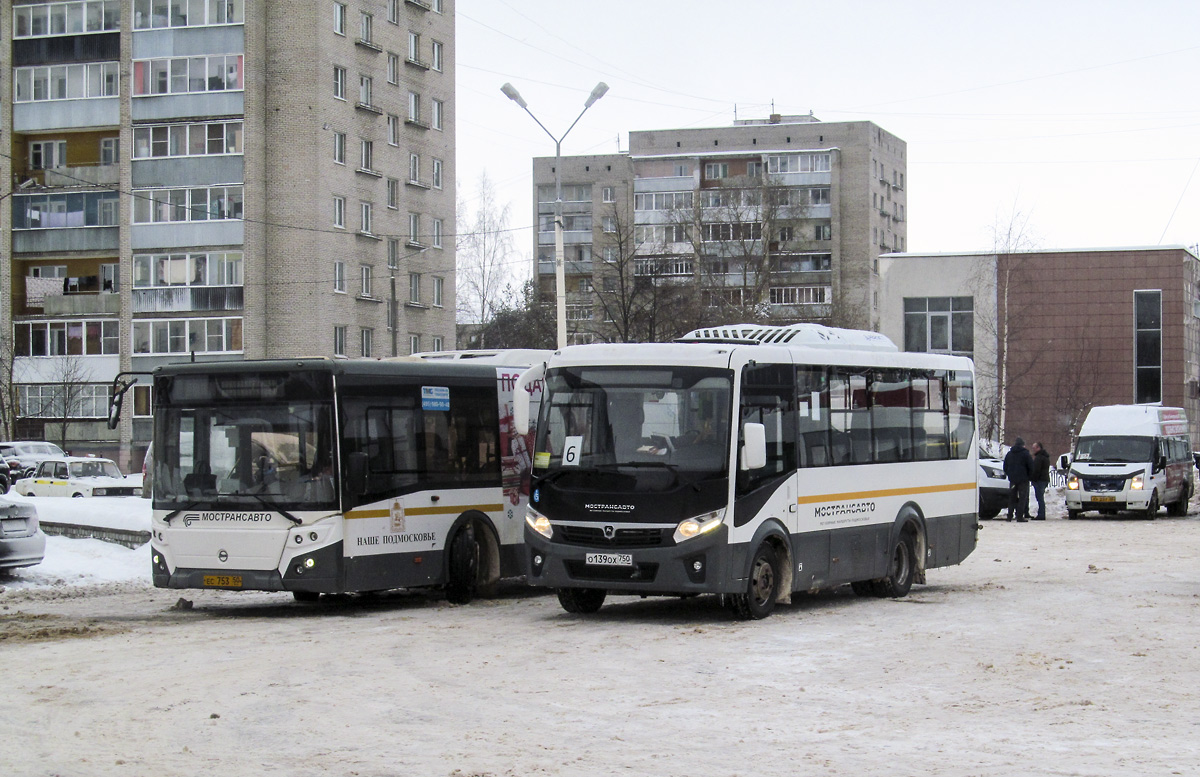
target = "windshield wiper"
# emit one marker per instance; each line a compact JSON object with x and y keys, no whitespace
{"x":167,"y":518}
{"x":259,"y":498}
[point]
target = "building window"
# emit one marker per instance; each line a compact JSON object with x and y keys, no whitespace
{"x":47,"y":154}
{"x":716,"y":170}
{"x":393,"y":251}
{"x":366,"y":280}
{"x":213,"y":268}
{"x":437,"y":342}
{"x":339,"y":276}
{"x":819,"y":195}
{"x":682,"y":171}
{"x":414,"y":107}
{"x":365,"y":210}
{"x":1147,"y":358}
{"x":939,"y":325}
{"x":187,"y":75}
{"x":365,"y":21}
{"x":437,"y":56}
{"x":339,"y":341}
{"x":212,"y":203}
{"x":414,"y":229}
{"x":366,"y":156}
{"x":414,"y":288}
{"x":437,"y":233}
{"x":414,"y":344}
{"x":339,"y":18}
{"x":437,"y":6}
{"x":414,"y":168}
{"x":67,"y":82}
{"x":438,"y":291}
{"x":394,"y":11}
{"x":393,"y":68}
{"x":606,"y":194}
{"x":66,"y":338}
{"x":609,"y":224}
{"x":339,"y":147}
{"x":364,"y":90}
{"x":823,"y":232}
{"x":799,"y":295}
{"x":393,"y":193}
{"x":48,"y":19}
{"x":110,"y":150}
{"x":414,"y":47}
{"x":339,"y":212}
{"x":184,"y":335}
{"x":55,"y":400}
{"x":368,"y":337}
{"x":159,"y":141}
{"x":754,"y":169}
{"x":393,"y":130}
{"x":339,"y":83}
{"x":437,"y":114}
{"x":437,"y":173}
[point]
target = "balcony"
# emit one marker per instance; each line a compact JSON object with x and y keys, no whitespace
{"x":367,"y":44}
{"x":186,"y":299}
{"x":369,"y":108}
{"x":421,"y":4}
{"x":416,"y":63}
{"x":81,"y":175}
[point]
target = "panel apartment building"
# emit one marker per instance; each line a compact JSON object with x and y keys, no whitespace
{"x":780,"y":220}
{"x":217,"y":180}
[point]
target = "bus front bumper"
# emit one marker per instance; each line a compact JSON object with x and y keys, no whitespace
{"x":697,"y":565}
{"x":318,"y":571}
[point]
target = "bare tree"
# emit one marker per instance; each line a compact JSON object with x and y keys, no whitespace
{"x":70,"y":377}
{"x":526,"y":321}
{"x":1075,"y":382}
{"x":485,"y":255}
{"x":9,"y":403}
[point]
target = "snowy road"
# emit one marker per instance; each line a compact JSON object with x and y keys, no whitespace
{"x":1058,"y":648}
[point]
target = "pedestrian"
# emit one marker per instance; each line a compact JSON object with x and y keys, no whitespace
{"x":1040,"y":479}
{"x":1018,"y":467}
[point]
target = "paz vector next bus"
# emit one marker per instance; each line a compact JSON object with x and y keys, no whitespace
{"x":750,"y":462}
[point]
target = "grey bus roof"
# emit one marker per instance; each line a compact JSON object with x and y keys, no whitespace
{"x":811,"y":335}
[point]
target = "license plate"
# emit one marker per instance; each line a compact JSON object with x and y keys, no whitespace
{"x":223,"y":581}
{"x":609,"y":559}
{"x":1104,"y":499}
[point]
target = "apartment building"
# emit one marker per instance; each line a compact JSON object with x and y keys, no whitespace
{"x":1055,"y":332}
{"x":218,"y":180}
{"x":776,"y":220}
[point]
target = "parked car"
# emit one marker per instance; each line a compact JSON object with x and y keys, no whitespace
{"x":79,"y":476}
{"x":6,"y":477}
{"x":993,"y":486}
{"x":22,"y":543}
{"x":29,"y":454}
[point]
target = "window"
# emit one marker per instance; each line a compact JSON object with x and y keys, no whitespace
{"x":214,"y":268}
{"x":437,"y":114}
{"x":609,"y":224}
{"x":365,"y":210}
{"x":414,"y":107}
{"x":799,"y":295}
{"x":366,"y":156}
{"x":823,"y":232}
{"x":339,"y":276}
{"x":437,"y":56}
{"x":414,"y":229}
{"x":716,"y":170}
{"x":364,"y":90}
{"x":414,"y":168}
{"x":368,"y":337}
{"x":365,"y":20}
{"x":184,"y":335}
{"x":47,"y":154}
{"x":819,"y":195}
{"x":754,"y":169}
{"x":393,"y":193}
{"x":437,"y":173}
{"x":339,"y":82}
{"x":414,"y":343}
{"x":682,"y":171}
{"x":110,"y":278}
{"x":437,"y":343}
{"x":787,"y":234}
{"x":54,"y":400}
{"x":110,"y":153}
{"x":606,"y":194}
{"x":339,"y":212}
{"x":939,"y":325}
{"x":339,"y":18}
{"x":393,"y":251}
{"x":46,"y":19}
{"x":157,"y":141}
{"x":394,"y":11}
{"x":1147,"y":358}
{"x":211,"y":203}
{"x":438,"y":291}
{"x":156,"y":14}
{"x":339,"y":341}
{"x":66,"y":338}
{"x":437,"y":233}
{"x":187,"y":75}
{"x":339,"y":147}
{"x":414,"y":288}
{"x":65,"y":82}
{"x":393,"y":123}
{"x":366,"y":280}
{"x":414,"y":47}
{"x":393,"y":68}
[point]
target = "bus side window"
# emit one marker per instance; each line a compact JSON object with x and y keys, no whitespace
{"x":812,"y":416}
{"x":769,"y":398}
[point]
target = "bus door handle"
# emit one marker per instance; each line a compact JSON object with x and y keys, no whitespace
{"x":434,"y":498}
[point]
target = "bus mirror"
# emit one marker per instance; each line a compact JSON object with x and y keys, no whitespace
{"x":356,"y":472}
{"x":1064,"y":462}
{"x":114,"y":410}
{"x":754,"y":446}
{"x":521,"y":397}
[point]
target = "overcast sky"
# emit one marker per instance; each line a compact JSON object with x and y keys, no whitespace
{"x":1084,"y":116}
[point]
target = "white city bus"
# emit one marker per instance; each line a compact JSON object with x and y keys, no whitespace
{"x":751,"y":462}
{"x":328,"y":476}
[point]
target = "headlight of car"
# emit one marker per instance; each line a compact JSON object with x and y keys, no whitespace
{"x":992,"y":472}
{"x":1137,"y":482}
{"x":99,"y":491}
{"x":539,"y":523}
{"x":1073,"y":483}
{"x":701,"y":524}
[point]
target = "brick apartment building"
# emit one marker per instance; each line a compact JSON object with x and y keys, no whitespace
{"x":1061,"y":330}
{"x":218,"y":180}
{"x":779,"y":220}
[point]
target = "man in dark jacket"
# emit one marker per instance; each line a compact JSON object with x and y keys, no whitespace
{"x":1018,"y":468}
{"x":1040,"y":479}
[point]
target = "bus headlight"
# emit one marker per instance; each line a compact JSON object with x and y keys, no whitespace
{"x":539,"y":523}
{"x":701,"y":524}
{"x":1073,"y":483}
{"x":1136,"y":483}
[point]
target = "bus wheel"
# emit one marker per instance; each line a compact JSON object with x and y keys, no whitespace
{"x":901,"y":570}
{"x":1073,"y":515}
{"x":1152,"y":508}
{"x":306,"y":596}
{"x":762,"y":589}
{"x":583,"y":601}
{"x":463,"y":569}
{"x":1179,"y":507}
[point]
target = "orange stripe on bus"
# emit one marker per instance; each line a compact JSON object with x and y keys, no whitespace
{"x":443,"y":510}
{"x":883,"y":492}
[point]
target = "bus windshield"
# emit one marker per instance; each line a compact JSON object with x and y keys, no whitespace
{"x":1118,"y":448}
{"x":273,"y":455}
{"x":658,"y":427}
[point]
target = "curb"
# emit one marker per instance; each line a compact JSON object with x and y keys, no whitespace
{"x":127,"y":537}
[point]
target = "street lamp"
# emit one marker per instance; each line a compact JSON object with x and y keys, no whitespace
{"x":560,"y":283}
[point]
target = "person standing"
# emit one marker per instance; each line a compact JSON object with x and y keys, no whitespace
{"x":1018,"y":468}
{"x":1040,"y":479}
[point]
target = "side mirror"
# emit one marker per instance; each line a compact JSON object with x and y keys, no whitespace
{"x":754,"y":446}
{"x":1064,"y":462}
{"x":356,"y":472}
{"x":521,"y":397}
{"x":114,"y":410}
{"x":1160,"y":462}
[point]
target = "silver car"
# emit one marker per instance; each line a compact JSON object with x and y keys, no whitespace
{"x":22,"y":543}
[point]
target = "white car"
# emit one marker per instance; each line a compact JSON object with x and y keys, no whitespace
{"x":22,"y":543}
{"x":79,"y":476}
{"x":993,"y":486}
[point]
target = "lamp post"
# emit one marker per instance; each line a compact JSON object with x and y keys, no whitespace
{"x":560,"y":283}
